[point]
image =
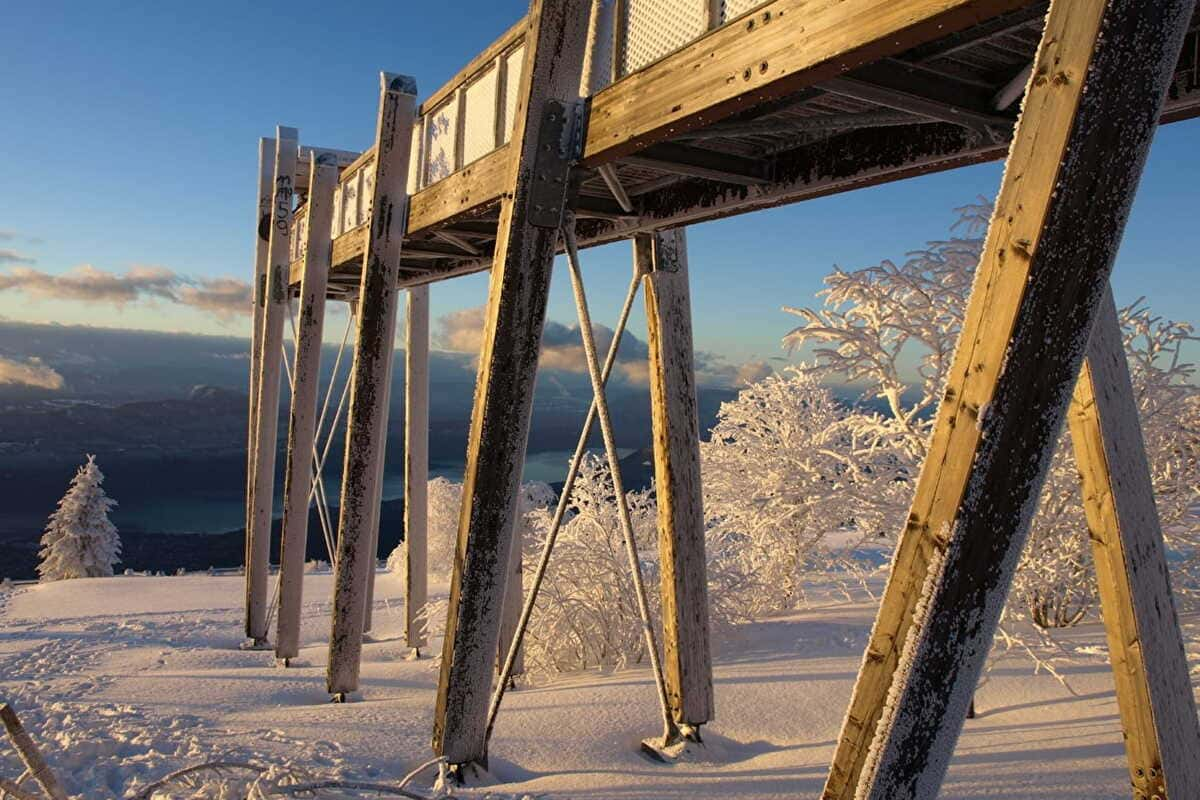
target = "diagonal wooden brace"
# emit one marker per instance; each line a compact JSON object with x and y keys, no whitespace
{"x":1145,"y":645}
{"x":1093,"y":104}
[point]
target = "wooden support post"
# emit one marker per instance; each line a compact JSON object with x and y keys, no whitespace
{"x":662,"y":259}
{"x":516,"y":311}
{"x":416,"y":465}
{"x":376,"y":508}
{"x":514,"y":599}
{"x":302,"y":428}
{"x":258,"y":288}
{"x":1154,"y":692}
{"x":29,"y":754}
{"x":258,"y":534}
{"x":367,"y":421}
{"x":1090,"y":113}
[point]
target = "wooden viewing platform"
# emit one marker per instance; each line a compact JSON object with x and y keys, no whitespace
{"x":593,"y":121}
{"x":702,"y":118}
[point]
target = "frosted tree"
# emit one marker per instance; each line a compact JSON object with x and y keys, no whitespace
{"x":586,"y":615}
{"x":80,"y":541}
{"x":795,"y":484}
{"x":445,"y":502}
{"x":445,"y":497}
{"x":891,"y":327}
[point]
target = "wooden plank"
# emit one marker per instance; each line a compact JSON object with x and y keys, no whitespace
{"x":302,"y":425}
{"x":366,"y":425}
{"x":1101,"y":72}
{"x":416,"y":465}
{"x":683,"y":160}
{"x":895,"y":85}
{"x":258,"y":287}
{"x":472,"y":188}
{"x":258,"y":534}
{"x":1150,"y":670}
{"x":840,"y":163}
{"x":781,"y":48}
{"x":29,"y":754}
{"x":516,"y":311}
{"x":684,"y":578}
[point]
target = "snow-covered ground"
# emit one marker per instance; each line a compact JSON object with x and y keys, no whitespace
{"x":122,"y":680}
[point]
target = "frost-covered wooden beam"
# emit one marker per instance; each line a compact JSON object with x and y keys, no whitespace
{"x":258,"y":289}
{"x":662,"y":259}
{"x":1094,"y":102}
{"x":302,"y":425}
{"x":516,"y":311}
{"x":258,"y":534}
{"x":416,"y":465}
{"x":781,"y":48}
{"x":1150,"y":670}
{"x":694,"y":162}
{"x":892,"y":84}
{"x":366,"y":426}
{"x":376,"y":500}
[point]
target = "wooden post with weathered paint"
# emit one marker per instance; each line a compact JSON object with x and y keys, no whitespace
{"x":416,"y":465}
{"x":662,"y":259}
{"x":516,"y":311}
{"x":302,"y":427}
{"x":258,"y":289}
{"x":376,"y":507}
{"x":258,"y":534}
{"x":1093,"y":104}
{"x":1145,"y":646}
{"x":367,"y":421}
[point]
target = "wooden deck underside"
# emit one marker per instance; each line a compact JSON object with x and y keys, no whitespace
{"x":775,"y":107}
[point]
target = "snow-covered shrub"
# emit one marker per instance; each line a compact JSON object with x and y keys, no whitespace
{"x":794,"y":483}
{"x":80,"y":541}
{"x":878,"y":319}
{"x":445,"y":502}
{"x":586,"y":615}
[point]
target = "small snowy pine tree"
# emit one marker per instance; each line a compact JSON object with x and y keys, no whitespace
{"x":80,"y":541}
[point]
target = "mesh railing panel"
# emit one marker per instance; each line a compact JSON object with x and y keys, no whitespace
{"x":479,"y":117}
{"x":655,"y":28}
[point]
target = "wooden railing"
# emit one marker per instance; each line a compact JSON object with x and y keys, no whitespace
{"x":470,"y":117}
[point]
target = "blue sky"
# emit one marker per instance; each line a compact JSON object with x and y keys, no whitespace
{"x":130,"y":132}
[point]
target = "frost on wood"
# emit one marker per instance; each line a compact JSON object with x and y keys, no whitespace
{"x":909,"y":654}
{"x":80,"y":541}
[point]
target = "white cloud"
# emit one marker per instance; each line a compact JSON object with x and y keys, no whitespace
{"x":29,"y":373}
{"x":224,"y":297}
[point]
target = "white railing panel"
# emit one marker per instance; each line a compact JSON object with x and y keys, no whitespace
{"x":441,"y":133}
{"x":514,"y":63}
{"x":479,"y":112}
{"x":656,"y":28}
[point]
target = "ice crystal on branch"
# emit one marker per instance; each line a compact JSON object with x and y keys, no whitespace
{"x":892,"y":329}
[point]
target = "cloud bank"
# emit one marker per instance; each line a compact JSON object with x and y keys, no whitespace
{"x":562,"y":349}
{"x":29,"y":373}
{"x":13,"y":257}
{"x":224,"y":297}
